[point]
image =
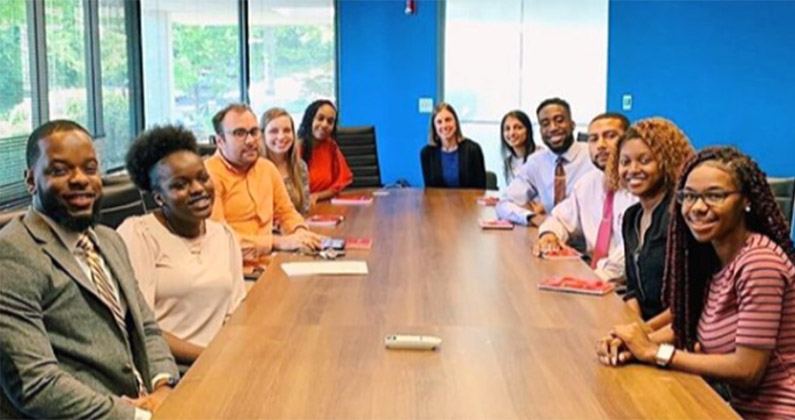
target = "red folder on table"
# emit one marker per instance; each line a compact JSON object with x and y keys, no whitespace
{"x":575,"y":285}
{"x":495,"y":224}
{"x":330,"y":220}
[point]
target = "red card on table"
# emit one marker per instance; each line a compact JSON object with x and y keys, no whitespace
{"x":325,"y":220}
{"x":575,"y":285}
{"x":495,"y":224}
{"x":488,"y":201}
{"x":565,"y":253}
{"x":358,"y":243}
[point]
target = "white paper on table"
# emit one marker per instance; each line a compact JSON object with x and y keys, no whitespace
{"x":309,"y":268}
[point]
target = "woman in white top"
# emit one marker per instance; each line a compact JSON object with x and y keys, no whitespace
{"x":189,"y":268}
{"x":516,"y":135}
{"x":281,"y":149}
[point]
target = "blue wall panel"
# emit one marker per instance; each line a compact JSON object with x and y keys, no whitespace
{"x":723,"y":70}
{"x":387,"y":61}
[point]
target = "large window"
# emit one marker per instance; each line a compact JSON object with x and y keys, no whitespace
{"x":508,"y":54}
{"x":193,"y":65}
{"x":116,"y":66}
{"x":16,"y":108}
{"x":63,"y":59}
{"x":191,"y":61}
{"x":291,"y":54}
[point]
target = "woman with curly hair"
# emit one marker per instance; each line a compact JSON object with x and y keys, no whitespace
{"x":729,"y":278}
{"x":189,"y":268}
{"x":648,"y":161}
{"x":282,"y":150}
{"x":516,"y":135}
{"x":329,"y":172}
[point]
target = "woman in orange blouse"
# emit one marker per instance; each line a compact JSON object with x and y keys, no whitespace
{"x":328,"y":171}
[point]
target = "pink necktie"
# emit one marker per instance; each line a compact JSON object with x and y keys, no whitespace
{"x":605,"y":231}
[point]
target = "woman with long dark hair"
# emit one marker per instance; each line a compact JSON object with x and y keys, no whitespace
{"x":729,"y":281}
{"x":516,"y":141}
{"x":328,"y":171}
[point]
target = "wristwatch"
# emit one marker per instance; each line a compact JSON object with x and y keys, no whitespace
{"x":170,"y":382}
{"x":665,"y":353}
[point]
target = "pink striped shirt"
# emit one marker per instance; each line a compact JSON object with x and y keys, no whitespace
{"x":751,"y":303}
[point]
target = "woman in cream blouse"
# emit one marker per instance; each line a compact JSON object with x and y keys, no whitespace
{"x":189,"y":268}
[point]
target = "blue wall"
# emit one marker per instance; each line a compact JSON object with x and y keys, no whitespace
{"x":387,"y":61}
{"x":723,"y":70}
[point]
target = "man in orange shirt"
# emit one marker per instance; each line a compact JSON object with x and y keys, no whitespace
{"x":249,"y":192}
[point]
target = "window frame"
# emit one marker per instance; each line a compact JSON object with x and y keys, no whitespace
{"x":40,"y":89}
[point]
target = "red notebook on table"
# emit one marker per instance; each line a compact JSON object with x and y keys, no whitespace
{"x":352,"y":200}
{"x":358,"y":243}
{"x":575,"y":285}
{"x":565,"y":253}
{"x":495,"y":224}
{"x":488,"y":201}
{"x":329,"y":220}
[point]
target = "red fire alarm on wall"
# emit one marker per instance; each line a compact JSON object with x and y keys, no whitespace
{"x":411,"y":7}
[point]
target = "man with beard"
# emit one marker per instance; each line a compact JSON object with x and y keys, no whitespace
{"x":548,"y":175}
{"x":78,"y":340}
{"x":593,"y":210}
{"x":250,"y":195}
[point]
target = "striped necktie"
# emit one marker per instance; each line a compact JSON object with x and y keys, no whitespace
{"x":560,"y":180}
{"x":108,"y":297}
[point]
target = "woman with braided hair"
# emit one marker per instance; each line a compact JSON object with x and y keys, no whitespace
{"x":730,"y":285}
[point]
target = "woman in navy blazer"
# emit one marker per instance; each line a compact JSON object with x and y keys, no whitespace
{"x":450,"y":160}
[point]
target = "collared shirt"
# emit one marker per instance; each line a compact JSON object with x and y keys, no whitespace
{"x":69,"y":239}
{"x":645,"y":263}
{"x":580,"y":214}
{"x":250,"y":202}
{"x":536,"y":181}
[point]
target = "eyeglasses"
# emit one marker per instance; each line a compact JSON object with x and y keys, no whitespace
{"x":710,"y":198}
{"x":241,"y":133}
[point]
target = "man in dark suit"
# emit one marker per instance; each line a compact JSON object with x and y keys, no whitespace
{"x":77,"y":339}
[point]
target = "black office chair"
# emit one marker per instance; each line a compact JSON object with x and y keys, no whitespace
{"x":491,"y":181}
{"x":10,"y":214}
{"x":784,"y":191}
{"x":206,"y":149}
{"x":359,"y":148}
{"x":121,"y":199}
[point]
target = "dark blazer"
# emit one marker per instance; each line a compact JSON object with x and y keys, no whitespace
{"x":471,"y":167}
{"x":62,"y":354}
{"x":645,"y":265}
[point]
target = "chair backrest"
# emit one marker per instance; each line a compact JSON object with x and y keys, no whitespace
{"x":359,"y":148}
{"x":491,"y":181}
{"x":6,"y":216}
{"x":121,"y":199}
{"x":206,"y":149}
{"x":784,"y":191}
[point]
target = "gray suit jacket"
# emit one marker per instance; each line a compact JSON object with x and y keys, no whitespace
{"x":61,"y":353}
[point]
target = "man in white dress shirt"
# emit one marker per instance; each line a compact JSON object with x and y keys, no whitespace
{"x":549,"y":175}
{"x":591,"y":210}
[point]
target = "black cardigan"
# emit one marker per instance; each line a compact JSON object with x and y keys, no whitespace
{"x":471,"y":168}
{"x":645,"y":266}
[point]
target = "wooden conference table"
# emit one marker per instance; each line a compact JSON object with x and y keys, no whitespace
{"x":313,"y":347}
